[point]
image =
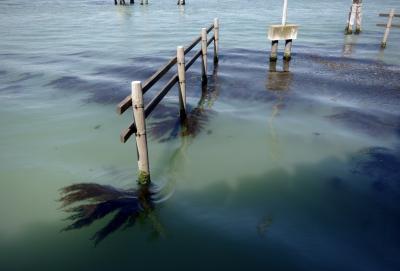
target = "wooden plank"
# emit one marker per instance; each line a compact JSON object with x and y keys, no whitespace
{"x":127,"y":133}
{"x":127,"y":102}
{"x":387,"y":15}
{"x":161,"y":94}
{"x":385,"y":25}
{"x":194,"y":58}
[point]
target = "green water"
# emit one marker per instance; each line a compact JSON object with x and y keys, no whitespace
{"x":286,"y":171}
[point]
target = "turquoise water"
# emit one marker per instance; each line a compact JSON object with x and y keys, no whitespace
{"x":282,"y":171}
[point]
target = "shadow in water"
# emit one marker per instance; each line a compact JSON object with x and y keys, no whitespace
{"x":167,"y":125}
{"x":92,"y":202}
{"x":95,"y":201}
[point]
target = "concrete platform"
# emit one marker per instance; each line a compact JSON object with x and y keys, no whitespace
{"x":283,"y":32}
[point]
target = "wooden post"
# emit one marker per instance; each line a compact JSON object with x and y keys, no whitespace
{"x":180,"y":55}
{"x":181,"y":2}
{"x":216,"y":40}
{"x":358,"y":18}
{"x":204,"y":54}
{"x":288,"y":50}
{"x":274,"y":51}
{"x":132,"y":2}
{"x":388,"y":26}
{"x":349,"y":30}
{"x":141,"y":138}
{"x":115,"y":2}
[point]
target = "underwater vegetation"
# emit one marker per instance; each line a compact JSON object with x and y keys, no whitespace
{"x":89,"y":202}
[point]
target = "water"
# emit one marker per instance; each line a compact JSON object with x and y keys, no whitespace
{"x":282,"y":171}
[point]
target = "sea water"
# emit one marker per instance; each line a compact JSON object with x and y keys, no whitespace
{"x":281,"y":171}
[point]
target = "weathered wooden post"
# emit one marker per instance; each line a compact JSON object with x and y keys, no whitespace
{"x":180,"y":55}
{"x":181,"y":2}
{"x":288,"y":50}
{"x":132,"y":2}
{"x":287,"y":32}
{"x":141,"y":138}
{"x":388,"y":26}
{"x":355,"y":17}
{"x":216,"y":40}
{"x":204,"y":55}
{"x":115,"y":2}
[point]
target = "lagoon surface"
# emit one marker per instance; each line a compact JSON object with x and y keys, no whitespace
{"x":280,"y":171}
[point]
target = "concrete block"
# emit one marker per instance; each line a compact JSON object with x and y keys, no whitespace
{"x":283,"y":32}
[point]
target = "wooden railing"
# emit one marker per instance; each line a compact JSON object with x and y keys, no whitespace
{"x":388,"y":25}
{"x":141,"y":111}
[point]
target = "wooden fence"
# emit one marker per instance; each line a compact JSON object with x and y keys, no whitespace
{"x":141,"y":111}
{"x":388,"y":25}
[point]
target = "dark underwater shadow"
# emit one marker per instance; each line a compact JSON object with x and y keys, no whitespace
{"x":92,"y":202}
{"x":166,"y":124}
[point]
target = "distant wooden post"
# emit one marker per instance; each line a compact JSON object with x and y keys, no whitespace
{"x":204,"y":54}
{"x":132,"y":2}
{"x":216,"y":40}
{"x":355,"y":17}
{"x":141,"y":138}
{"x":180,"y":55}
{"x":388,"y":26}
{"x":181,"y":2}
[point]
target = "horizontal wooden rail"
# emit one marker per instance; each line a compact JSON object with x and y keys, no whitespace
{"x":385,"y":25}
{"x":141,"y":111}
{"x":387,"y":15}
{"x":127,"y":133}
{"x":127,"y":102}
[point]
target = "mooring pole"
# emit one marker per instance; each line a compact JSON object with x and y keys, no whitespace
{"x":285,"y":9}
{"x":204,"y":55}
{"x":180,"y":55}
{"x":141,"y":138}
{"x":388,"y":26}
{"x":288,"y":50}
{"x":216,"y":40}
{"x":274,"y":51}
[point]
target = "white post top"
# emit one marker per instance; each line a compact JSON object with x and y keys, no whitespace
{"x":284,"y":15}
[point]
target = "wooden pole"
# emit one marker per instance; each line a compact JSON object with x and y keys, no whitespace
{"x":204,"y":54}
{"x":349,"y":29}
{"x":216,"y":40}
{"x":284,"y":14}
{"x":180,"y":55}
{"x":274,"y":51}
{"x":358,"y":18}
{"x":141,"y":138}
{"x":115,"y":2}
{"x":388,"y":26}
{"x":132,"y":2}
{"x":288,"y":50}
